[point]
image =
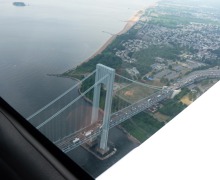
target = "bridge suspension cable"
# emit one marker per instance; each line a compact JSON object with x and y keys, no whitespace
{"x":142,"y":84}
{"x":66,"y":92}
{"x":72,"y":102}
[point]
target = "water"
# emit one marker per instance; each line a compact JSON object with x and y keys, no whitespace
{"x":93,"y":165}
{"x":51,"y":37}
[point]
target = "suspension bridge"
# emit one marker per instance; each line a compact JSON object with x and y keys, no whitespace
{"x":94,"y":105}
{"x":74,"y":117}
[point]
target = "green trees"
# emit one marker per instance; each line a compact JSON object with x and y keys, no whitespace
{"x":173,"y":106}
{"x":106,"y":58}
{"x":142,"y":126}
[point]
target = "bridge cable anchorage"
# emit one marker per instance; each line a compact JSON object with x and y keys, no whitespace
{"x":139,"y":83}
{"x":70,"y":89}
{"x":72,"y":102}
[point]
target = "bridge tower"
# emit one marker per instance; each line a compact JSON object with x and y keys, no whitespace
{"x":108,"y":82}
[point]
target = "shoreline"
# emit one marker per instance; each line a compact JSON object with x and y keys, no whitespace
{"x":130,"y":23}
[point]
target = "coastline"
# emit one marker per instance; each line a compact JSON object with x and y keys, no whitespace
{"x":130,"y":23}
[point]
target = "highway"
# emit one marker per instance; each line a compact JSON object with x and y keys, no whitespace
{"x":196,"y":76}
{"x":139,"y":106}
{"x":74,"y":140}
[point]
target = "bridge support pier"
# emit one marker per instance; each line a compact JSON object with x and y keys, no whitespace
{"x":108,"y":82}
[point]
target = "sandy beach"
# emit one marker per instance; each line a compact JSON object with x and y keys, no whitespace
{"x":130,"y":23}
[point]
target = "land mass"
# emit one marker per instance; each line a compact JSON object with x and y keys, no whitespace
{"x":161,"y":46}
{"x":131,"y":22}
{"x":19,"y":4}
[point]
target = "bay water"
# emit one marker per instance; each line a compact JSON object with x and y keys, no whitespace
{"x":50,"y":37}
{"x":46,"y":37}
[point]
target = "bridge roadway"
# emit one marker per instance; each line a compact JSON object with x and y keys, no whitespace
{"x":74,"y":140}
{"x":196,"y":76}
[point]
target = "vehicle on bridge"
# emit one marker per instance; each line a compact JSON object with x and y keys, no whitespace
{"x":88,"y":133}
{"x":75,"y":140}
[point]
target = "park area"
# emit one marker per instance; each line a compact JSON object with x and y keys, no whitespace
{"x":134,"y":92}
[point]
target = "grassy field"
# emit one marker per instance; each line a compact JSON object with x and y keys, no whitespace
{"x":134,"y":92}
{"x":161,"y":117}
